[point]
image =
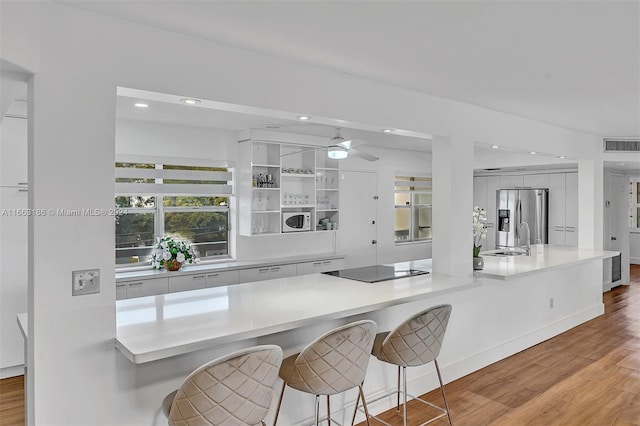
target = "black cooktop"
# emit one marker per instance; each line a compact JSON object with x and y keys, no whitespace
{"x":377,"y":273}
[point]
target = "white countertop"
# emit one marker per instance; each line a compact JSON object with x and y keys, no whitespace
{"x":157,"y":327}
{"x":223,"y":265}
{"x":504,"y":268}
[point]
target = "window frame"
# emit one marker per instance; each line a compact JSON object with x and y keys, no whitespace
{"x":413,"y":207}
{"x":160,"y":210}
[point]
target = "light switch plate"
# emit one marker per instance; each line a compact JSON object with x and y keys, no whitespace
{"x":85,"y":282}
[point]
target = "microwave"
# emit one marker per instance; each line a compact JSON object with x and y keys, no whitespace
{"x":296,"y":221}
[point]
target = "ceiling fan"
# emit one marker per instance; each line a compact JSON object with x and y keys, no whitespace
{"x":340,"y":148}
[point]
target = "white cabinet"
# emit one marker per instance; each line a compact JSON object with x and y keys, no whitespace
{"x":511,"y":181}
{"x":253,"y":274}
{"x":318,"y":266}
{"x":484,"y":195}
{"x":571,"y":209}
{"x":493,"y":185}
{"x":282,"y":271}
{"x":306,"y":268}
{"x":147,"y":287}
{"x":480,"y":192}
{"x":266,"y":273}
{"x":276,"y":178}
{"x":121,"y":291}
{"x":187,"y":282}
{"x":563,"y":209}
{"x":202,"y":280}
{"x":536,"y":181}
{"x":215,"y":279}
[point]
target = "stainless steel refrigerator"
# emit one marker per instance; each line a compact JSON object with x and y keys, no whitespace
{"x":522,"y":205}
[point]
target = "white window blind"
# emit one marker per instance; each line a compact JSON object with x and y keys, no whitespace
{"x":139,"y":178}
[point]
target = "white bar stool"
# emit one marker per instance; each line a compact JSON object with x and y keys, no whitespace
{"x":333,"y":363}
{"x":233,"y":390}
{"x":415,"y":342}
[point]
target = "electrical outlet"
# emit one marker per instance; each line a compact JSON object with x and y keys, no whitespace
{"x":85,"y":282}
{"x":551,"y":303}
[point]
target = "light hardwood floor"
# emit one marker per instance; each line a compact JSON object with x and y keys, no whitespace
{"x":12,"y":401}
{"x":589,"y":375}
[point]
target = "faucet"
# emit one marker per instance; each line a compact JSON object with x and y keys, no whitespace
{"x":528,"y":245}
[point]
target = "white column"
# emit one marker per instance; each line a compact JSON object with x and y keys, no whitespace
{"x":590,"y":202}
{"x":452,"y":205}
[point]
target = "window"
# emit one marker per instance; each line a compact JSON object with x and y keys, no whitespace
{"x":157,"y":198}
{"x":412,"y":209}
{"x":634,"y":202}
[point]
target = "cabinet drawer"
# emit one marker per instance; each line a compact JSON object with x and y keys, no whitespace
{"x":147,"y":287}
{"x":282,"y":271}
{"x":253,"y":274}
{"x":332,"y":265}
{"x":215,"y":279}
{"x":187,"y":282}
{"x":556,"y":237}
{"x":121,"y":291}
{"x":305,"y":268}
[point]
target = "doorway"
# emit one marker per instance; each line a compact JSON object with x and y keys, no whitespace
{"x":616,"y":236}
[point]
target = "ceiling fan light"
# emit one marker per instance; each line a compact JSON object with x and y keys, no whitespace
{"x":337,"y":153}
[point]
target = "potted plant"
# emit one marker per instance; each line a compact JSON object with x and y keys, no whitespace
{"x":479,"y":232}
{"x":171,"y":253}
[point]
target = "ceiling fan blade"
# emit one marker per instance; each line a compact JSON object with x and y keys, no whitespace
{"x":350,"y":143}
{"x":363,"y":155}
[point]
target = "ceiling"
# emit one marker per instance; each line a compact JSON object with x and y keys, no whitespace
{"x":575,"y":64}
{"x":202,"y":115}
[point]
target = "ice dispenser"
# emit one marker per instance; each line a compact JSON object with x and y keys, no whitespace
{"x":503,"y":220}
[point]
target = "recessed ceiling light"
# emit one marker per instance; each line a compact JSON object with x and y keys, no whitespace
{"x":495,"y":146}
{"x":141,"y":105}
{"x":190,"y":101}
{"x":562,"y":157}
{"x":532,"y":152}
{"x":303,"y":117}
{"x":387,"y":130}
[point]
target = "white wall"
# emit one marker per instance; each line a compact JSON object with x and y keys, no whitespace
{"x":79,"y":59}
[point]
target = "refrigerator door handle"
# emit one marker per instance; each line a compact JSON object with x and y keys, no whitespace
{"x":518,"y":214}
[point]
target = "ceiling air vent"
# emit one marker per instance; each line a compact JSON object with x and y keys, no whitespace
{"x":621,"y":145}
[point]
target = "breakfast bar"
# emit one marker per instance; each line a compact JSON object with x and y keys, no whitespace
{"x":156,"y":327}
{"x":165,"y":337}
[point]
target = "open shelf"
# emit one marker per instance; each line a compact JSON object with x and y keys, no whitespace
{"x":277,"y":178}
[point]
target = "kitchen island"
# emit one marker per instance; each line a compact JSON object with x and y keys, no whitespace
{"x":163,"y":338}
{"x":542,"y":258}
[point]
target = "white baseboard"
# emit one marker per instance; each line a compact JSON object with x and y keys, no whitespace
{"x":634,"y":260}
{"x":16,"y":370}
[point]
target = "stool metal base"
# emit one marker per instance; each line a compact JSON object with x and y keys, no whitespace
{"x":403,"y":391}
{"x":326,"y":418}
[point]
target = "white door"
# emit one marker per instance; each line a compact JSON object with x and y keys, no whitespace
{"x":357,"y":237}
{"x":616,"y":210}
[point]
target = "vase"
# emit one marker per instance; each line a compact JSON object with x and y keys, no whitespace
{"x":478,"y":263}
{"x":172,"y":265}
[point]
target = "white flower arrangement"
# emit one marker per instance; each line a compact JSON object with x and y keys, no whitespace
{"x":479,"y":229}
{"x":171,"y":253}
